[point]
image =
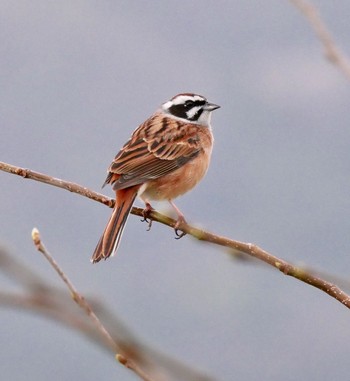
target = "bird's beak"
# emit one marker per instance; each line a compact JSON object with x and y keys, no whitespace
{"x":211,"y":106}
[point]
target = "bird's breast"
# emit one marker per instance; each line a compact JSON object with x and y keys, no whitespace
{"x":181,"y":180}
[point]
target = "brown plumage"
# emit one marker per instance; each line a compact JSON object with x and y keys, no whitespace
{"x":165,"y":157}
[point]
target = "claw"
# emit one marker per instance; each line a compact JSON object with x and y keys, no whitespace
{"x":179,"y":235}
{"x":144,"y":219}
{"x":181,"y":220}
{"x":149,"y":224}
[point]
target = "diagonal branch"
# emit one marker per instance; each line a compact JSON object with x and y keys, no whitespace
{"x":247,"y":248}
{"x":39,"y":296}
{"x":54,"y":181}
{"x":82,"y":303}
{"x":333,"y":53}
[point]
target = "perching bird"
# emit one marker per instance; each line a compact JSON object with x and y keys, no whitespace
{"x":166,"y":156}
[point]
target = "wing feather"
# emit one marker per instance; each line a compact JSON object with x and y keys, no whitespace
{"x":159,"y":146}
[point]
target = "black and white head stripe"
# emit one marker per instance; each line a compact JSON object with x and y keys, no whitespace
{"x":188,"y":106}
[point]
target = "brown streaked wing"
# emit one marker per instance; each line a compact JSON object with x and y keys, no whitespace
{"x":158,"y":147}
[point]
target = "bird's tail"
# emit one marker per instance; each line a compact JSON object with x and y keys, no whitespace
{"x":108,"y":243}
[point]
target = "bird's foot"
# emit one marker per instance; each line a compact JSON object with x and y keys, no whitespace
{"x":179,"y":234}
{"x":146,"y":215}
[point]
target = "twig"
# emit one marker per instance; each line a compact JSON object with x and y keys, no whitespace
{"x":71,"y":187}
{"x":82,"y":303}
{"x":333,"y":53}
{"x":39,"y":296}
{"x":247,"y":248}
{"x":258,"y":253}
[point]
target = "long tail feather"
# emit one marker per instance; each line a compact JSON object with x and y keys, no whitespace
{"x":108,"y":243}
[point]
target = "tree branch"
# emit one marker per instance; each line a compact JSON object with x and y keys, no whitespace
{"x":39,"y":296}
{"x":247,"y":248}
{"x":333,"y":53}
{"x":82,"y":303}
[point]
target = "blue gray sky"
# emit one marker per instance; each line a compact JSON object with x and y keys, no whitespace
{"x":77,"y":77}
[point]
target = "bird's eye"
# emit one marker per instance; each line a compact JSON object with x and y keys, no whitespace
{"x":188,"y":104}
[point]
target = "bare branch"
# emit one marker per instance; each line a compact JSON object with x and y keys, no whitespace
{"x":82,"y":303}
{"x":333,"y":53}
{"x":247,"y":248}
{"x":71,"y":187}
{"x":39,"y":296}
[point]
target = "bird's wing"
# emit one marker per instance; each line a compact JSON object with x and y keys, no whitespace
{"x":159,"y":146}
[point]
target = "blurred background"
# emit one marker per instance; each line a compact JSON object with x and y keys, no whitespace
{"x":77,"y":77}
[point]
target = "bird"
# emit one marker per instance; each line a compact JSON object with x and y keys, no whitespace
{"x":165,"y":157}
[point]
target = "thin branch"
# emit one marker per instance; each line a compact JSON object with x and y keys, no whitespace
{"x":74,"y":293}
{"x":333,"y":53}
{"x":247,"y":248}
{"x":49,"y":307}
{"x":82,"y":303}
{"x":15,"y":269}
{"x":40,"y":297}
{"x":54,"y":181}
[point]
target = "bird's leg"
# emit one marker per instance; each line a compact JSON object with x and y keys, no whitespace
{"x":180,"y":220}
{"x":145,"y":213}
